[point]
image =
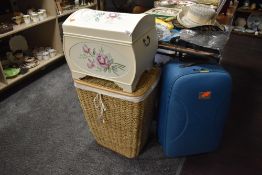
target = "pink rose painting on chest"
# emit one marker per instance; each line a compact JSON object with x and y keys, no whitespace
{"x":98,"y":60}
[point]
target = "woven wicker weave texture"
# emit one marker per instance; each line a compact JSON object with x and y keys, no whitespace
{"x":126,"y":124}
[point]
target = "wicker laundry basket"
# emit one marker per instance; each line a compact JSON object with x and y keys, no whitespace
{"x":119,"y":120}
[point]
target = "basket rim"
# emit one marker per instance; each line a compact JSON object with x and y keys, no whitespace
{"x":120,"y":95}
{"x":153,"y":81}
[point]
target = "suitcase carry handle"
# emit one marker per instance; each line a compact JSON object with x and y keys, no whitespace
{"x":187,"y":65}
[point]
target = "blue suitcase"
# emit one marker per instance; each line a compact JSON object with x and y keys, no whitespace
{"x":193,"y":107}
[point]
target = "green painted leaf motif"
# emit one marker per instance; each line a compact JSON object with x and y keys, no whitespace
{"x":115,"y":72}
{"x":97,"y":16}
{"x":82,"y":56}
{"x":101,"y":50}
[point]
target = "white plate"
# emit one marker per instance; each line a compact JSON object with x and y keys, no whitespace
{"x":18,"y":42}
{"x":254,"y":19}
{"x":249,"y":31}
{"x":239,"y":29}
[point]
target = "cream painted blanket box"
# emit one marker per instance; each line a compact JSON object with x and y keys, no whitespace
{"x":113,"y":46}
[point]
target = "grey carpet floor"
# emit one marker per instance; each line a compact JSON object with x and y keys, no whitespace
{"x":43,"y":131}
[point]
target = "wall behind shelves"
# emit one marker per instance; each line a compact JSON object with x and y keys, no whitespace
{"x":46,"y":34}
{"x":5,"y":7}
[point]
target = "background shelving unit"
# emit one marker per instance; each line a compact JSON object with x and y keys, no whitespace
{"x":240,"y":10}
{"x":21,"y":27}
{"x":46,"y":33}
{"x":42,"y":64}
{"x":68,"y":12}
{"x":244,"y":13}
{"x":259,"y":36}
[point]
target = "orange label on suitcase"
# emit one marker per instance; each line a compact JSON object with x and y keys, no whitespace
{"x":205,"y":95}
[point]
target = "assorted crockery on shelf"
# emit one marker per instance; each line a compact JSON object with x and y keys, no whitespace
{"x":251,"y":25}
{"x":30,"y":62}
{"x":35,"y":17}
{"x":68,"y":7}
{"x":52,"y":52}
{"x":17,"y":19}
{"x":27,"y":19}
{"x":31,"y":16}
{"x":20,"y":58}
{"x":11,"y":72}
{"x":44,"y":53}
{"x":41,"y":15}
{"x":26,"y":60}
{"x":250,"y":5}
{"x":38,"y":15}
{"x":44,"y":12}
{"x":86,"y":2}
{"x":5,"y":27}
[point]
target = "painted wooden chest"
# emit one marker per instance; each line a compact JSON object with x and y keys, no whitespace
{"x":113,"y":46}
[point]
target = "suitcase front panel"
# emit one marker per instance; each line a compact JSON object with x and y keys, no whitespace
{"x":193,"y":109}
